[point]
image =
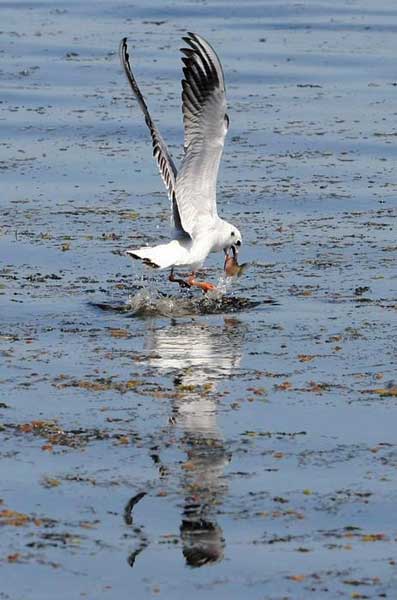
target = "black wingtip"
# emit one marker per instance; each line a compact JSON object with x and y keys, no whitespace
{"x":146,"y":261}
{"x":123,"y":48}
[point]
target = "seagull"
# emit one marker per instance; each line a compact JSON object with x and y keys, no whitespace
{"x":197,"y":228}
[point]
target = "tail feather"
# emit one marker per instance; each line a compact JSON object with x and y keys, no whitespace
{"x":159,"y":257}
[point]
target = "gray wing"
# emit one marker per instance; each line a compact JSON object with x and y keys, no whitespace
{"x":206,"y":124}
{"x":160,"y":151}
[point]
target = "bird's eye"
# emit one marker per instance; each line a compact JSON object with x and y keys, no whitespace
{"x":232,"y":234}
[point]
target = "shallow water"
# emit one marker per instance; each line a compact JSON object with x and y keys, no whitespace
{"x":263,"y":438}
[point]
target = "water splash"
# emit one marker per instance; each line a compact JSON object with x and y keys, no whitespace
{"x":224,"y":285}
{"x":144,"y":303}
{"x":147,"y":300}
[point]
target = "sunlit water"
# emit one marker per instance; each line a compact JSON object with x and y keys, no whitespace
{"x":256,"y":427}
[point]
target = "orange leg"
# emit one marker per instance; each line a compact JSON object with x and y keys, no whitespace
{"x":203,"y":285}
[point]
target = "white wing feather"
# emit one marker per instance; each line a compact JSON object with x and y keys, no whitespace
{"x":206,"y":124}
{"x":160,"y":151}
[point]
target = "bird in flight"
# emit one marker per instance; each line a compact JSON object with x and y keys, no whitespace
{"x":197,"y":228}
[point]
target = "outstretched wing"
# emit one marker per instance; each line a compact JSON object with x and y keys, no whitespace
{"x":206,"y":124}
{"x":160,"y":151}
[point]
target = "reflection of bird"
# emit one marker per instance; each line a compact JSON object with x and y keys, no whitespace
{"x":215,"y":354}
{"x":204,"y":487}
{"x":196,"y":353}
{"x":198,"y":230}
{"x":202,"y":478}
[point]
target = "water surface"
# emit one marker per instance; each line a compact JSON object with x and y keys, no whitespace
{"x":262,"y":439}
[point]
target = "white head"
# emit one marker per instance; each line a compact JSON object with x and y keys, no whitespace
{"x":231,"y":238}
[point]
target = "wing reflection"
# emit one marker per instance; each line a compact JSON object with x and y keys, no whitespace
{"x":198,"y":357}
